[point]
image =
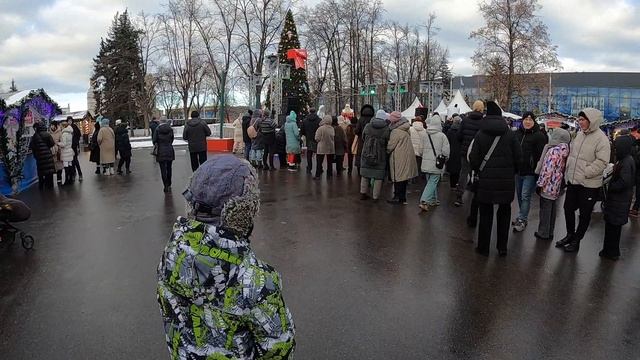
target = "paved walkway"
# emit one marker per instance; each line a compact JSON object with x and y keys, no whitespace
{"x":363,"y":280}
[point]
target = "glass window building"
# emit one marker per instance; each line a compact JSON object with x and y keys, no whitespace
{"x":617,"y":95}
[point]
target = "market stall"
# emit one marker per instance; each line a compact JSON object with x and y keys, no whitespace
{"x":19,"y":111}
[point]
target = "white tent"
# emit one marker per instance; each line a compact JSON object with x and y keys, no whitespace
{"x":410,"y":113}
{"x":510,"y":115}
{"x":458,"y":99}
{"x":442,"y":108}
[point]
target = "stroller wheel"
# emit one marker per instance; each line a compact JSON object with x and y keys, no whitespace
{"x":27,"y":241}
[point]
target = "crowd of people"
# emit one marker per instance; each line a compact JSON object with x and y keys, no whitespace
{"x":486,"y":161}
{"x":234,"y":306}
{"x":56,"y":150}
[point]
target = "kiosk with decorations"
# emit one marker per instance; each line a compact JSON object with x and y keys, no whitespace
{"x":18,"y":113}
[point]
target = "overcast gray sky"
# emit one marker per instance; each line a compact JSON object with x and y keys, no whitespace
{"x":51,"y":43}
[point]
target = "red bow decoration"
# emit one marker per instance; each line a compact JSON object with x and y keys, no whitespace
{"x":298,"y":56}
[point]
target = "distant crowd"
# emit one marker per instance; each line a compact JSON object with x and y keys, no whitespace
{"x":482,"y":157}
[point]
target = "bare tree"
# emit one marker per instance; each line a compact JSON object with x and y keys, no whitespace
{"x":259,"y":24}
{"x":514,"y":34}
{"x":149,"y":48}
{"x":167,"y":93}
{"x":181,"y":46}
{"x":216,"y":26}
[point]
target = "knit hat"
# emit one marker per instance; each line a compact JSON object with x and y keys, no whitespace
{"x":559,"y":136}
{"x":224,"y":192}
{"x":381,"y":114}
{"x":529,"y":113}
{"x":118,"y":122}
{"x":395,"y":116}
{"x":493,"y":108}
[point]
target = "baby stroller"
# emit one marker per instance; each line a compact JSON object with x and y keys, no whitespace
{"x":12,"y":210}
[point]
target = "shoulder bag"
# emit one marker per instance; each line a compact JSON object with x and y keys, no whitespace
{"x":440,"y":159}
{"x":475,"y":175}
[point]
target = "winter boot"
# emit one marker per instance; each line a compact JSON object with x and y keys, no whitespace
{"x":564,"y":241}
{"x":573,"y":246}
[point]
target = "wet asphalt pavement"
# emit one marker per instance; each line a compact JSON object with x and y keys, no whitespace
{"x":363,"y":280}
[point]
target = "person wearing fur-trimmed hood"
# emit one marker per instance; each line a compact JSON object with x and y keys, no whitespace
{"x":217,"y":299}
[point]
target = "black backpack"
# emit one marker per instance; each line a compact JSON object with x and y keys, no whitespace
{"x":372,"y":152}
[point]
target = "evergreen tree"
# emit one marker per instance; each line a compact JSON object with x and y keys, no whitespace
{"x":295,"y":91}
{"x":117,"y":72}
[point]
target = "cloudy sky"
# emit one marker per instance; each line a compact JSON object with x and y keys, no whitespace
{"x":51,"y":43}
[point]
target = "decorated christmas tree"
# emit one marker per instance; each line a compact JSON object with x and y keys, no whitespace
{"x":295,"y":91}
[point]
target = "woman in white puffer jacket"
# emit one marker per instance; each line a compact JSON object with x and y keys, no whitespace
{"x":66,"y":152}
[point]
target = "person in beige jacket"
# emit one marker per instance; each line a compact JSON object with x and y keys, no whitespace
{"x":325,"y":137}
{"x":589,"y":155}
{"x":107,"y":143}
{"x":402,"y":164}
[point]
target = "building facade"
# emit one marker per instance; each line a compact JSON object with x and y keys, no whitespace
{"x":616,"y":94}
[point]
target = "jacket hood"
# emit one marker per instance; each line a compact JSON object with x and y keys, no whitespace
{"x":623,"y":146}
{"x":291,"y":119}
{"x":164,"y":129}
{"x":326,"y":120}
{"x":594,"y":116}
{"x":418,"y":126}
{"x":379,"y":123}
{"x":435,"y":124}
{"x":559,"y":136}
{"x":193,"y":122}
{"x":494,"y":125}
{"x":367,"y":110}
{"x":403,"y":124}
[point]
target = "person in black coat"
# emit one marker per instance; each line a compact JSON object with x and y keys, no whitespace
{"x":123,"y":147}
{"x":267,"y":129}
{"x":195,"y":133}
{"x":636,"y":155}
{"x":75,"y":145}
{"x":163,"y":141}
{"x":496,"y":184}
{"x":455,"y":155}
{"x":246,"y":121}
{"x":41,"y":144}
{"x":469,"y":127}
{"x":532,"y":141}
{"x":308,"y":129}
{"x":281,"y":148}
{"x":619,"y":196}
{"x":95,"y":148}
{"x":367,"y":112}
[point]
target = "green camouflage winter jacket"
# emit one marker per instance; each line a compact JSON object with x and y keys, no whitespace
{"x":218,"y":301}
